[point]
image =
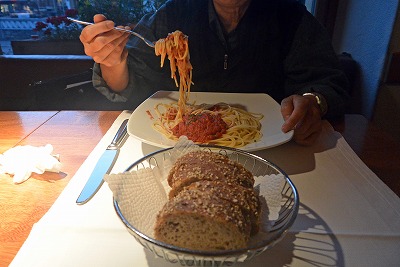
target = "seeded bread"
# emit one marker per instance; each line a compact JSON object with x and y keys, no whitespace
{"x":206,"y":165}
{"x":212,"y":204}
{"x":246,"y":198}
{"x":199,"y":220}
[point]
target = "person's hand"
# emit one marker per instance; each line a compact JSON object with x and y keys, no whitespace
{"x":105,"y":45}
{"x":303,"y":115}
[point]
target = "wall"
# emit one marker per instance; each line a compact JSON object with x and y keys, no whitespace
{"x":363,"y":28}
{"x":387,"y":108}
{"x":395,"y":41}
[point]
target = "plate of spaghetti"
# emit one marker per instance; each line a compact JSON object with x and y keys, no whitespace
{"x":247,"y":121}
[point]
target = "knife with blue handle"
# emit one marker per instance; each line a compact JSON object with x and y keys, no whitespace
{"x":103,"y":166}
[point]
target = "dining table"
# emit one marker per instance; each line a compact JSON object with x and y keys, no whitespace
{"x":348,"y":183}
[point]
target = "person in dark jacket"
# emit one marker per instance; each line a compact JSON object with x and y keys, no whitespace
{"x":249,"y":46}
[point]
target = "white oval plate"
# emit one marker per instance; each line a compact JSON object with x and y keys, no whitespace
{"x":141,"y":121}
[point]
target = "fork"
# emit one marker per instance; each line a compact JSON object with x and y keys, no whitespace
{"x":149,"y":43}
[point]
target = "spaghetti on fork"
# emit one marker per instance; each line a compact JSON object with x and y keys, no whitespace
{"x":176,"y":47}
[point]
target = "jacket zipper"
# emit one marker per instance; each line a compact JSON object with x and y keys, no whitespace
{"x":225,"y":61}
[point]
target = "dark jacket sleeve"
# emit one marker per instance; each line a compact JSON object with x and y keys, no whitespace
{"x":313,"y":66}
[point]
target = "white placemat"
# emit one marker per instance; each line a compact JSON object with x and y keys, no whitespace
{"x":347,"y":217}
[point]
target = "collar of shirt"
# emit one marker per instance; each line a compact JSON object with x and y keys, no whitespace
{"x":229,"y":40}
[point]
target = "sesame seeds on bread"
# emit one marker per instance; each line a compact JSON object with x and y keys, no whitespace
{"x":246,"y":198}
{"x":201,"y":221}
{"x":212,"y":204}
{"x":207,"y":165}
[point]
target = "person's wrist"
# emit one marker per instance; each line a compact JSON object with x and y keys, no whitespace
{"x":116,"y":76}
{"x":320,"y":100}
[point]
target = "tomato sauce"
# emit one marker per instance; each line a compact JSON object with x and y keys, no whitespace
{"x":201,"y":127}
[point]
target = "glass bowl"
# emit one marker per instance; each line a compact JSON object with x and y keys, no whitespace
{"x":187,"y":257}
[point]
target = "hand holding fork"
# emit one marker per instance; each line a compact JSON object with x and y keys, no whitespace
{"x":106,"y":43}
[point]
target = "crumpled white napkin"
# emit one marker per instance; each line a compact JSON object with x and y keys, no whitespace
{"x":21,"y":161}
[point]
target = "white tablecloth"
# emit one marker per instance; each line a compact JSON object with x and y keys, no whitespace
{"x":347,"y":216}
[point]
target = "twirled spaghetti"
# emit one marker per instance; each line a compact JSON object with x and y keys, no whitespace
{"x":176,"y":47}
{"x":219,"y":124}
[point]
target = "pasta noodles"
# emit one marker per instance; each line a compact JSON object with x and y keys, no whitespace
{"x":236,"y":127}
{"x":219,"y":124}
{"x":176,"y":47}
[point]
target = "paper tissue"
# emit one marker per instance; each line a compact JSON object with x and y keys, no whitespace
{"x":21,"y":161}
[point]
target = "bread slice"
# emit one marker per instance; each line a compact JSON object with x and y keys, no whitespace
{"x":207,"y":165}
{"x":247,"y":198}
{"x":199,"y":220}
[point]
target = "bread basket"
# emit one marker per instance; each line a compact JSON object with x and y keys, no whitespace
{"x":187,"y":257}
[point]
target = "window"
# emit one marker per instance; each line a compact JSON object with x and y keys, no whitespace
{"x":310,"y":4}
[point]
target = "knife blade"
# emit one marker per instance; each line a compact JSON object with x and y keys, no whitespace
{"x":103,"y":166}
